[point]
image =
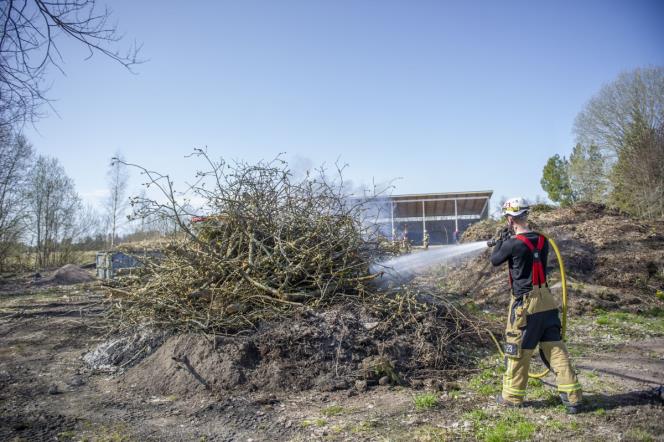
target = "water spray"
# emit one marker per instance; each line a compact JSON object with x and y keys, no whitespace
{"x":403,"y":268}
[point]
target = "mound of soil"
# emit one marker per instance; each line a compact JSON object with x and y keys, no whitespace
{"x":124,"y":350}
{"x":612,"y":261}
{"x":335,"y":349}
{"x":67,"y":275}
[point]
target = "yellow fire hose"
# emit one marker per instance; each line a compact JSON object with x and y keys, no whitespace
{"x":563,"y":281}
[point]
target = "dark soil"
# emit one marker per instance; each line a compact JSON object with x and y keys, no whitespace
{"x":47,"y":392}
{"x":326,"y":350}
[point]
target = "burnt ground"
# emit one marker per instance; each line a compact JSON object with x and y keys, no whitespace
{"x":48,"y":393}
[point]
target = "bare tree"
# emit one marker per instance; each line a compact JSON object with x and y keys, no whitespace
{"x":638,"y":175}
{"x":610,"y":115}
{"x":53,"y":207}
{"x":116,"y":204}
{"x":587,"y":171}
{"x":15,"y":159}
{"x":30,"y":30}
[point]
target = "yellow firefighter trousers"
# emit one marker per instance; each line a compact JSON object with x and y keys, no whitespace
{"x":522,"y":318}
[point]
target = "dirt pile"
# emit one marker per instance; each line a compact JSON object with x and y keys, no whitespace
{"x":124,"y":350}
{"x":613,"y":261}
{"x":67,"y":275}
{"x":339,"y":348}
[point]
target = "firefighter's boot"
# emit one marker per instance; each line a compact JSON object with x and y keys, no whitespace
{"x":556,"y":355}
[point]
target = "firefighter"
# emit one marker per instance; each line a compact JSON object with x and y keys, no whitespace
{"x":405,"y":242}
{"x":532,"y":317}
{"x":425,"y":240}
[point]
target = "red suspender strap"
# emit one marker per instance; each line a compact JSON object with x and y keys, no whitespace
{"x":538,"y":268}
{"x":526,"y":241}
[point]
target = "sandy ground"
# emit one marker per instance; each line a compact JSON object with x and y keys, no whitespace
{"x":46,"y":392}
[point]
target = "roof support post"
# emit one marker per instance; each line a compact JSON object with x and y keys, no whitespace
{"x":485,"y":208}
{"x":394,"y":233}
{"x":456,"y":216}
{"x":424,"y":223}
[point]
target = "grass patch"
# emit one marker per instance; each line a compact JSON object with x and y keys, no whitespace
{"x":103,"y":433}
{"x":428,"y":433}
{"x":364,"y":426}
{"x":336,"y":429}
{"x":454,"y":394}
{"x":476,"y":416}
{"x":510,"y":426}
{"x":656,"y":312}
{"x":557,"y":426}
{"x":637,"y":434}
{"x":629,"y":324}
{"x":554,"y":425}
{"x":425,"y":401}
{"x":488,"y":381}
{"x":320,"y":422}
{"x":539,"y":390}
{"x":599,"y":412}
{"x":66,"y":435}
{"x":333,"y":410}
{"x":591,"y":375}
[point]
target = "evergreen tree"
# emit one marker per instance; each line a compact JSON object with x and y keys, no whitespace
{"x":555,"y":181}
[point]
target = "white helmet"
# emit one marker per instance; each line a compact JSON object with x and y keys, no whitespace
{"x":515,"y":206}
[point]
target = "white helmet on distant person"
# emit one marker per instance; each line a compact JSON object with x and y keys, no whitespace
{"x":515,"y":207}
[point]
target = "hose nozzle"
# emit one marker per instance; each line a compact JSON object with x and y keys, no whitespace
{"x":502,"y":235}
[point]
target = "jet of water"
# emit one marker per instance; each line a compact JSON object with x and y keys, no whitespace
{"x":407,"y":266}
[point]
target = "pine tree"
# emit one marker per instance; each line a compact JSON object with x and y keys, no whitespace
{"x":555,"y":181}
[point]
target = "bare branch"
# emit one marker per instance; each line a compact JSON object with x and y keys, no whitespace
{"x":30,"y":30}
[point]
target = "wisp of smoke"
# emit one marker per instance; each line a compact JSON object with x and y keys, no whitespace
{"x":405,"y":267}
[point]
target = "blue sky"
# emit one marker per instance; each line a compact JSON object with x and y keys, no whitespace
{"x":447,"y":96}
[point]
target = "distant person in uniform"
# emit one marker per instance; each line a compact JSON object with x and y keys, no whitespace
{"x":405,"y":242}
{"x":425,"y":240}
{"x":456,"y":237}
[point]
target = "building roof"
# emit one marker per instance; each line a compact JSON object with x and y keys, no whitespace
{"x":481,"y":194}
{"x":441,"y":205}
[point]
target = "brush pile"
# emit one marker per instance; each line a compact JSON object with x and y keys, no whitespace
{"x":267,"y":244}
{"x":269,"y":287}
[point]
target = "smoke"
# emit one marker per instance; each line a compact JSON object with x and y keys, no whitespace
{"x":405,"y":267}
{"x":376,"y":213}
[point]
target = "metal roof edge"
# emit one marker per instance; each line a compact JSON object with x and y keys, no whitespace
{"x":472,"y":192}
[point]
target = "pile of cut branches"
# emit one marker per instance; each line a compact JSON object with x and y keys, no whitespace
{"x":260,"y":243}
